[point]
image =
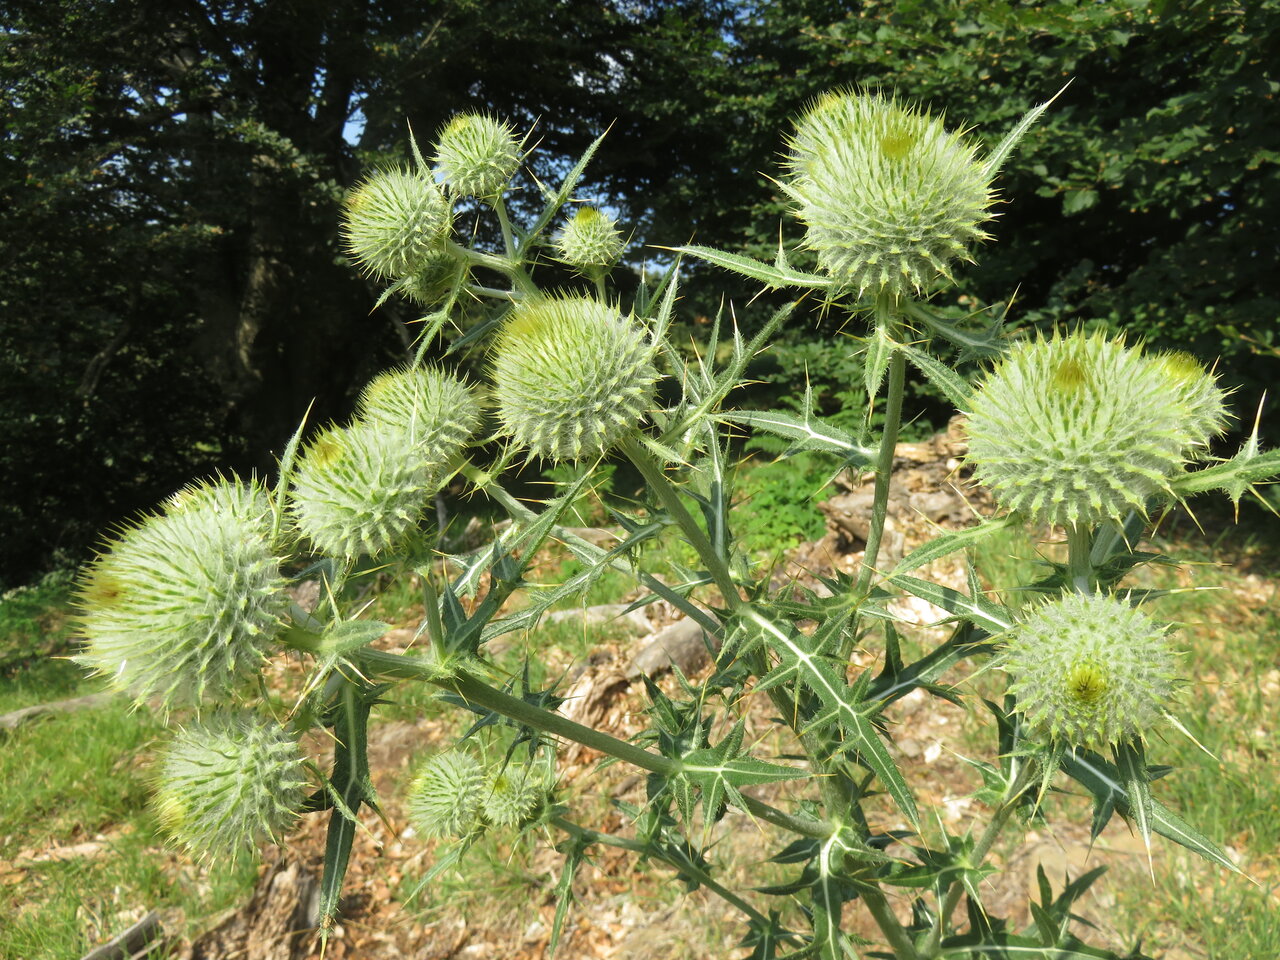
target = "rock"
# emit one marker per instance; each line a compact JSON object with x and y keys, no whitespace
{"x":683,"y":644}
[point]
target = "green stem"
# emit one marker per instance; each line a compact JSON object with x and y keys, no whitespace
{"x":508,"y":239}
{"x":474,"y":690}
{"x":979,"y":854}
{"x":684,"y":866}
{"x":509,"y":268}
{"x":656,"y":478}
{"x":496,"y":293}
{"x":887,"y":316}
{"x":588,"y":551}
{"x":1079,"y":565}
{"x":887,"y":921}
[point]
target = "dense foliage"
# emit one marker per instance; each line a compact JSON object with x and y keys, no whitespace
{"x":171,"y":178}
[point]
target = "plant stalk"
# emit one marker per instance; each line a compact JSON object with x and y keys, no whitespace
{"x":657,"y":480}
{"x":1079,"y":565}
{"x":979,"y":854}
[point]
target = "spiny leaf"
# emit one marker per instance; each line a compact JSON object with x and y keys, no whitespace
{"x":810,"y":433}
{"x":952,"y":541}
{"x":796,"y":658}
{"x":1001,"y":153}
{"x":989,"y":616}
{"x":774,"y":277}
{"x":940,"y":375}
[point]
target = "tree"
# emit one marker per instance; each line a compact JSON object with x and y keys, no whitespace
{"x":174,"y":290}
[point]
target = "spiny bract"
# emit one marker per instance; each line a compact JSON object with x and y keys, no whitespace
{"x":1090,"y":670}
{"x":512,"y":794}
{"x":589,"y":241}
{"x":183,"y":603}
{"x":432,"y":279}
{"x":477,"y":155}
{"x":362,"y":489}
{"x":888,"y":196}
{"x":1079,"y":429}
{"x":222,"y":786}
{"x":571,"y":376}
{"x":436,"y":410}
{"x":394,"y":223}
{"x":444,"y":799}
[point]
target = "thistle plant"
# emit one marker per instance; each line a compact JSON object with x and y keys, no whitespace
{"x":1087,"y":436}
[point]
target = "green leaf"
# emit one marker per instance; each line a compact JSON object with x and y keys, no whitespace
{"x":1106,"y":783}
{"x":796,"y":658}
{"x":952,"y":541}
{"x":574,"y":857}
{"x":991,"y":617}
{"x":810,"y":433}
{"x":957,"y":390}
{"x":994,"y":944}
{"x":559,"y":198}
{"x":1077,"y":201}
{"x":773,"y":276}
{"x":879,"y":349}
{"x":348,"y":636}
{"x":1234,"y":477}
{"x":1001,"y":153}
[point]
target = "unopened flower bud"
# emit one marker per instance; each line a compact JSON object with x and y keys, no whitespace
{"x":889,"y":197}
{"x":437,"y":411}
{"x":512,"y":794}
{"x":589,"y":241}
{"x":394,"y":222}
{"x":183,"y":603}
{"x":477,"y":155}
{"x":571,"y":376}
{"x":1090,"y":671}
{"x":1080,"y":429}
{"x":223,"y":786}
{"x":444,"y":799}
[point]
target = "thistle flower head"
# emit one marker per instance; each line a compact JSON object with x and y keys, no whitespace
{"x":444,"y":799}
{"x":438,"y":412}
{"x":183,"y":603}
{"x":1090,"y":671}
{"x":889,"y":197}
{"x":394,"y":222}
{"x":571,"y":376}
{"x":589,"y":241}
{"x":432,"y":279}
{"x":222,"y":786}
{"x":1079,"y":429}
{"x":477,"y":155}
{"x":512,"y":794}
{"x":362,"y":489}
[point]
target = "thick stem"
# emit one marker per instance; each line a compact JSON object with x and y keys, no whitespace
{"x":1079,"y":565}
{"x":887,"y":316}
{"x":476,"y":691}
{"x":894,"y":932}
{"x":508,"y":268}
{"x":656,"y":478}
{"x":684,"y":866}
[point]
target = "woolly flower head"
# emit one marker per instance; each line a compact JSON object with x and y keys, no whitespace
{"x":477,"y":155}
{"x":183,"y":603}
{"x":222,"y":786}
{"x":512,"y":794}
{"x":571,"y":376}
{"x":432,"y":279}
{"x":394,"y":222}
{"x":444,"y":799}
{"x":1079,"y":429}
{"x":437,"y":411}
{"x":1090,"y":671}
{"x":589,"y":241}
{"x":889,"y":197}
{"x":362,"y":489}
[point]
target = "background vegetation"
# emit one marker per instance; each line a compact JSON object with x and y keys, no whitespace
{"x":174,"y":297}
